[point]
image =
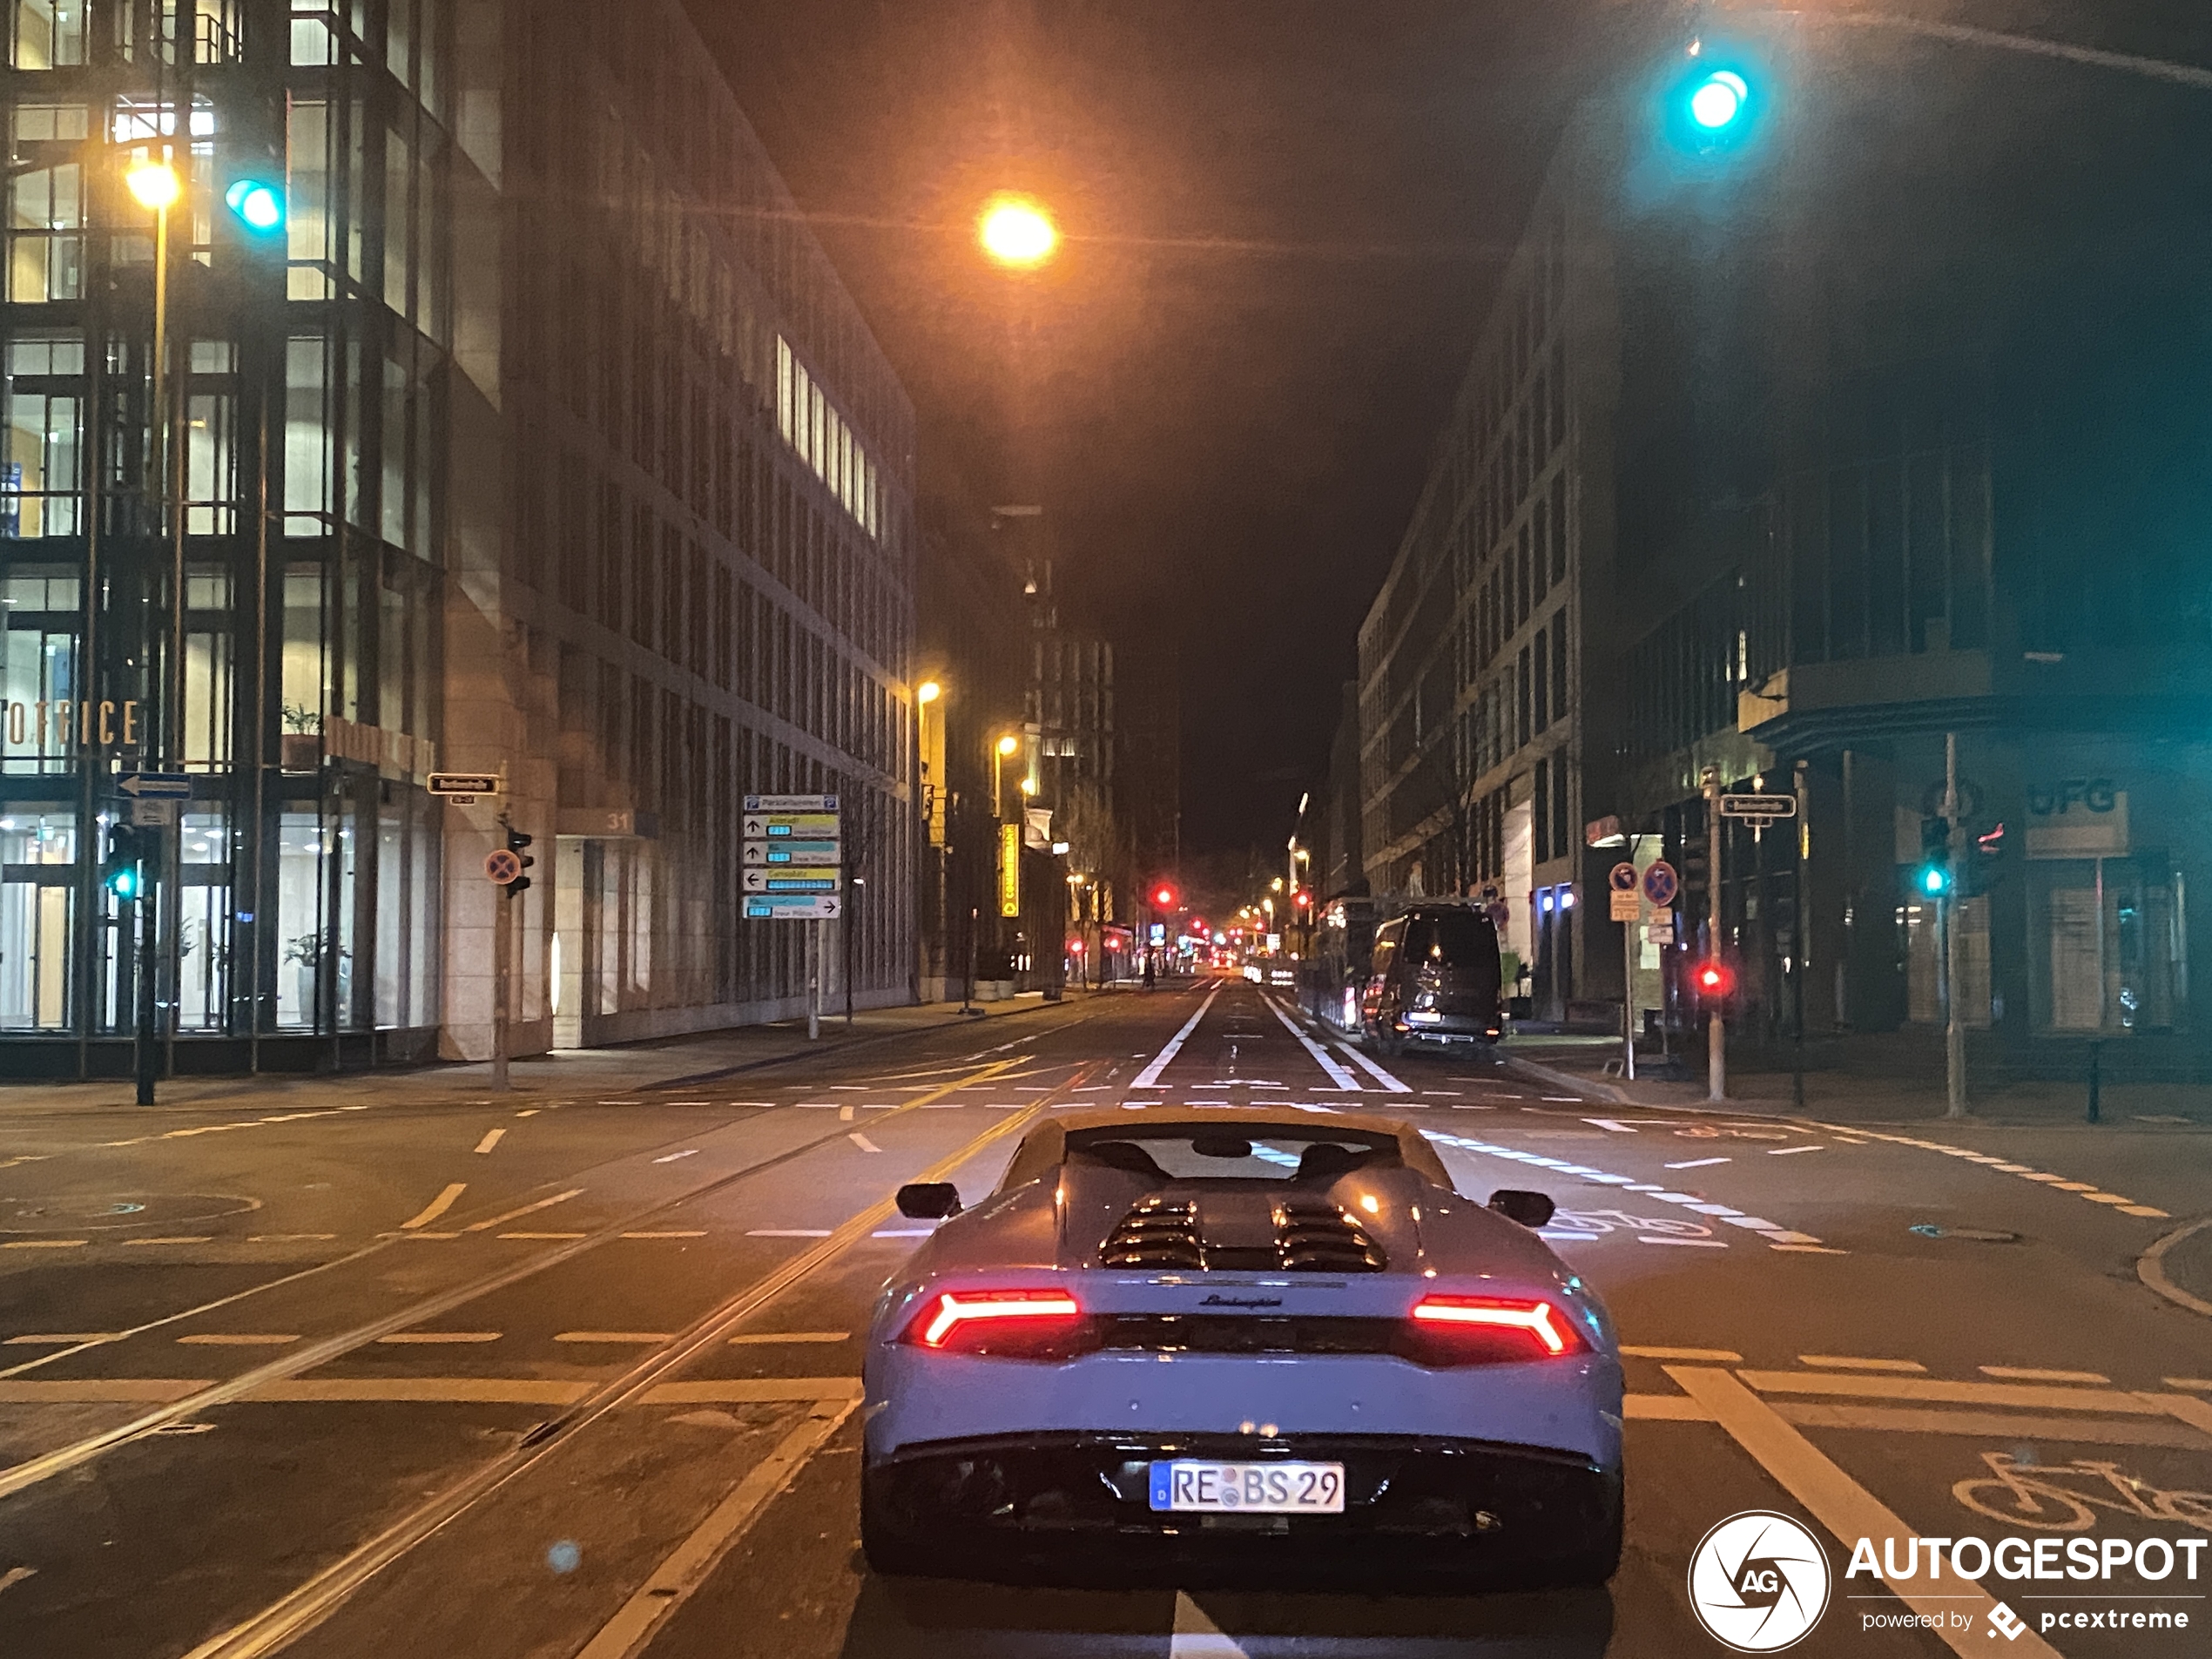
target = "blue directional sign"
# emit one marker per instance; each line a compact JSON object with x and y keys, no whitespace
{"x":155,"y":785}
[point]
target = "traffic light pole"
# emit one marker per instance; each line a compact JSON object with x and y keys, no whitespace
{"x":142,"y":1048}
{"x":502,"y":964}
{"x":1716,"y":1023}
{"x":1954,"y":1034}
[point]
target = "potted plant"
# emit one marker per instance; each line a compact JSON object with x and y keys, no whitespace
{"x":302,"y":741}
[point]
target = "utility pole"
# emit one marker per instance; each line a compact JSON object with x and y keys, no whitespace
{"x":502,"y":963}
{"x":814,"y":982}
{"x":1717,"y":1024}
{"x":1801,"y":930}
{"x":1954,"y":1033}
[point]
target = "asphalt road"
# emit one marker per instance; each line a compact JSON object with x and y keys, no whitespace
{"x":578,"y":1376}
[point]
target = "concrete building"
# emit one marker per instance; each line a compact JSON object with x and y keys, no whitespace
{"x":539,"y":439}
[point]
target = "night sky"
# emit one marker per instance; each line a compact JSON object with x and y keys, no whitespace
{"x":1284,"y":220}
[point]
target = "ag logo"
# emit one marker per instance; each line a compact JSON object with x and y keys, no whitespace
{"x":1758,"y":1581}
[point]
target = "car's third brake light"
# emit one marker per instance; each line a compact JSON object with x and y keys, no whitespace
{"x":1489,"y":1328}
{"x":1011,"y":1322}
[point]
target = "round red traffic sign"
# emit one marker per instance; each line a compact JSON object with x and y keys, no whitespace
{"x":1622,"y":878}
{"x":502,"y":867}
{"x":1661,"y":884}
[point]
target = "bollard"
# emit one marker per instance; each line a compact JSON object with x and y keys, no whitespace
{"x":2096,"y":1052}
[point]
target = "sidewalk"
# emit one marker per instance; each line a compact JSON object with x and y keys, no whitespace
{"x":1843,"y":1087}
{"x":658,"y":1063}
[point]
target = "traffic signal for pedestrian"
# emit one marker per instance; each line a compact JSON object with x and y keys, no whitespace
{"x":1713,"y":99}
{"x":122,"y":870}
{"x":258,"y":204}
{"x":515,"y":842}
{"x":1981,"y":862}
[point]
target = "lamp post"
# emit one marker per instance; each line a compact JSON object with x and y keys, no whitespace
{"x":929,"y":864}
{"x":156,"y":187}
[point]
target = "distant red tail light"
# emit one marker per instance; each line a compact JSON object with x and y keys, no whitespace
{"x":1031,"y":1324}
{"x":1490,"y":1329}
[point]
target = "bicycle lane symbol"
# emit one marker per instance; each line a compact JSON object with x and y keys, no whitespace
{"x":2068,"y":1497}
{"x":1598,"y":1222}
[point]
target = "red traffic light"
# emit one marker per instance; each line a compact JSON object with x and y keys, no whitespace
{"x":1715,"y":980}
{"x":1304,"y":899}
{"x":1164,"y":896}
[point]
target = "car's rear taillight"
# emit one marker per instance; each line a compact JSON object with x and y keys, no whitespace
{"x":1032,"y":1325}
{"x":1491,"y":1330}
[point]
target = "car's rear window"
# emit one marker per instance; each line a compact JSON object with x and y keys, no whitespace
{"x":1235,"y":1152}
{"x":1454,"y":938}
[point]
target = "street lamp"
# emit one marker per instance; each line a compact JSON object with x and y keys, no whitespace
{"x":1006,"y":746}
{"x":1016,"y":231}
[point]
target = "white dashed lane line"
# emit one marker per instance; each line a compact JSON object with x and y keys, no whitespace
{"x":2055,"y":1182}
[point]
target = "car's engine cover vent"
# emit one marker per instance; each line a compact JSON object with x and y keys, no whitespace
{"x":1155,"y":1233}
{"x":1241,"y":1233}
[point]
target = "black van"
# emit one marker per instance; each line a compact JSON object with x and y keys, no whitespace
{"x":1435,"y":979}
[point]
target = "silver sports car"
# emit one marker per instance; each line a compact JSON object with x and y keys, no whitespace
{"x":1236,"y":1334}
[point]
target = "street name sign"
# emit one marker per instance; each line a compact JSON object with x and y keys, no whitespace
{"x":1758,"y":806}
{"x":790,"y":803}
{"x":464,"y":786}
{"x":155,"y":785}
{"x":792,"y":907}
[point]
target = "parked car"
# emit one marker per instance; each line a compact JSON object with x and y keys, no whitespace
{"x":1435,"y":979}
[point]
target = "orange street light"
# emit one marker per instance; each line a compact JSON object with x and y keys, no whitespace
{"x":1016,"y":231}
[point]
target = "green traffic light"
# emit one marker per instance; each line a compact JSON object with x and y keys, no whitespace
{"x":1935,"y":880}
{"x":1717,"y":101}
{"x":259,"y":205}
{"x":123,"y":883}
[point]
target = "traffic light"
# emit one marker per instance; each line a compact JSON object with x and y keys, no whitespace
{"x":1931,"y":878}
{"x":1981,"y":862}
{"x":515,"y":842}
{"x":1719,"y":100}
{"x":1163,"y":897}
{"x":1714,"y":99}
{"x":1715,"y":979}
{"x":258,"y":204}
{"x":123,"y":872}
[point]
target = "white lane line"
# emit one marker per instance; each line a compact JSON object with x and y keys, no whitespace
{"x":687,"y":1567}
{"x":519,"y":1235}
{"x":788,"y":1232}
{"x":230,"y":1339}
{"x":437,"y":1339}
{"x":1695,"y":1356}
{"x":1848,"y":1510}
{"x":643,"y":1339}
{"x":1338,"y":1075}
{"x":1697,"y":1163}
{"x":846,"y":1114}
{"x":491,"y":1139}
{"x":16,"y":1576}
{"x":1689,"y":1243}
{"x":1613,"y":1123}
{"x":764,"y":1339}
{"x":530,"y":1112}
{"x":184,"y":1238}
{"x":284,"y":1238}
{"x":62,"y":1339}
{"x":700,"y":1233}
{"x":863,"y":1143}
{"x":902,"y":1232}
{"x":437,"y":1207}
{"x":527,"y":1209}
{"x":1853,"y":1362}
{"x":1374,"y":1071}
{"x":1785,"y":1151}
{"x":2030,"y":1374}
{"x":1149,"y":1077}
{"x":688,"y":1152}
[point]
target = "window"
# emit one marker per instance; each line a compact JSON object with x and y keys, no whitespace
{"x":308,"y":223}
{"x":47,"y":34}
{"x":307,"y":435}
{"x":1541,"y":678}
{"x":45,"y":234}
{"x":39,"y":474}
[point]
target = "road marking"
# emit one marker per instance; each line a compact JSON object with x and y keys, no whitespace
{"x":234,"y":1339}
{"x":529,"y":1112}
{"x":903,"y":1233}
{"x":788,"y":1232}
{"x":437,"y":1207}
{"x":1149,"y":1077}
{"x":16,"y":1576}
{"x":45,"y":1244}
{"x":1852,"y":1362}
{"x":1687,"y":1243}
{"x":863,"y":1143}
{"x":1338,"y":1075}
{"x":1374,"y":1071}
{"x":284,"y":1238}
{"x":1811,"y":1249}
{"x":686,"y":1568}
{"x":646,"y":1338}
{"x":492,"y":1138}
{"x":1936,"y":1391}
{"x":1193,"y":1635}
{"x":763,"y":1338}
{"x":846,"y":1114}
{"x":1701,"y":1356}
{"x":622,"y":1103}
{"x":1618,"y":1127}
{"x":2204,"y":1383}
{"x":186,"y":1238}
{"x":688,"y":1152}
{"x":693,"y":1233}
{"x":688,"y":1102}
{"x":514,"y":1235}
{"x":433,"y":1338}
{"x":65,"y":1339}
{"x":527,"y":1209}
{"x":1699,"y":1163}
{"x":1844,"y":1508}
{"x":2029,"y":1374}
{"x":1786,"y":1151}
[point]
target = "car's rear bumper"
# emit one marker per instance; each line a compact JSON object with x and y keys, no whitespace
{"x":1446,"y":1502}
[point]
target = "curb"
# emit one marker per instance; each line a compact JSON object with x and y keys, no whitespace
{"x":1542,"y":1073}
{"x":2150,"y":1267}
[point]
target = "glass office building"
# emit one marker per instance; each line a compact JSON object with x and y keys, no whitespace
{"x":537,"y":437}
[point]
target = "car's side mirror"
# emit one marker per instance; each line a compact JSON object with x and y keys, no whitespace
{"x":1529,"y":1209}
{"x":932,"y":1200}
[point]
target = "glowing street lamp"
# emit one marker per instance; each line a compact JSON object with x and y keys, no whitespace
{"x":155,"y":184}
{"x":1016,"y":231}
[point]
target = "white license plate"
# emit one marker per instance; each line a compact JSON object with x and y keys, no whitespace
{"x":1249,"y":1488}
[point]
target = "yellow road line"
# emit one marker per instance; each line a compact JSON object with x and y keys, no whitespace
{"x":436,"y":1207}
{"x":517,"y":1215}
{"x":1848,"y":1510}
{"x":492,"y":1137}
